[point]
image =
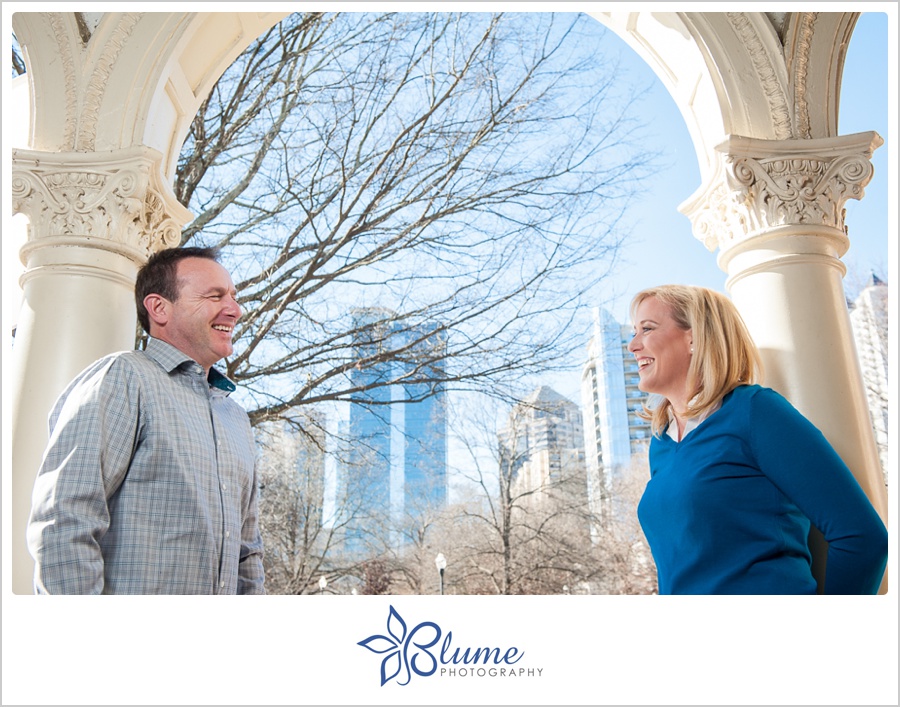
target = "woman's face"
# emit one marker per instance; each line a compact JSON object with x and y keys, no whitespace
{"x":662,"y":351}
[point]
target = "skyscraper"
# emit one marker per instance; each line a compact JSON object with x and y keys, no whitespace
{"x":611,"y":400}
{"x":397,"y":432}
{"x":542,"y":443}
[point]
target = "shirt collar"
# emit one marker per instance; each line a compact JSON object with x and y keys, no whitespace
{"x":690,"y":424}
{"x":171,"y":358}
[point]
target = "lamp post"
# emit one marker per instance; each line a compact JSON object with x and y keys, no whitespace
{"x":322,"y":584}
{"x":441,"y":563}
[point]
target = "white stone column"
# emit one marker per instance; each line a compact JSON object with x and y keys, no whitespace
{"x":94,"y":219}
{"x":776,"y":212}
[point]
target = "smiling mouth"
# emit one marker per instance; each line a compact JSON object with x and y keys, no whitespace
{"x":644,"y":362}
{"x":222,"y":327}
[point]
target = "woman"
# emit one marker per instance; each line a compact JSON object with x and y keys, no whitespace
{"x":736,"y":473}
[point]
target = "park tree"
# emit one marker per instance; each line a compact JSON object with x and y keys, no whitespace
{"x":291,"y":491}
{"x":459,"y":176}
{"x":526,"y":528}
{"x":18,"y":61}
{"x":620,"y":550}
{"x":307,"y":532}
{"x":424,"y":199}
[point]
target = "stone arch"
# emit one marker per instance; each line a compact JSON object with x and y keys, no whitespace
{"x":113,"y":94}
{"x":730,"y":73}
{"x":128,"y":78}
{"x":750,"y":74}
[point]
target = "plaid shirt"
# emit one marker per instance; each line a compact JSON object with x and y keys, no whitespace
{"x":148,"y":483}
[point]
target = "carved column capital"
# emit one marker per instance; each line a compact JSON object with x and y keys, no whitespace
{"x":115,"y":201}
{"x":764,"y":185}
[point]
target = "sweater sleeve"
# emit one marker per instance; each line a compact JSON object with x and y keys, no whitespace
{"x":802,"y":464}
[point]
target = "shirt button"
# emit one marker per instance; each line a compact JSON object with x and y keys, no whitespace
{"x":221,"y":584}
{"x":227,"y":533}
{"x":224,"y":487}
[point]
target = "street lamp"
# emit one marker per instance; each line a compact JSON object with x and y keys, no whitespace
{"x":322,"y":583}
{"x":441,"y":563}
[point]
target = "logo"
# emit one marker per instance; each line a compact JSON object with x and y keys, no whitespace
{"x":421,"y":651}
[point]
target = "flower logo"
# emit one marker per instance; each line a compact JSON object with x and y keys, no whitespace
{"x":404,"y":653}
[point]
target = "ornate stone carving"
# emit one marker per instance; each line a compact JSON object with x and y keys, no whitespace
{"x":762,"y":63}
{"x":761,"y":185}
{"x":99,"y":79}
{"x":800,"y":71}
{"x":86,"y":83}
{"x":116,"y":203}
{"x":806,"y":190}
{"x":714,"y":216}
{"x":67,"y":61}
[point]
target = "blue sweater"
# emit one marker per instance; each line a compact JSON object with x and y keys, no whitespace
{"x":727,"y":510}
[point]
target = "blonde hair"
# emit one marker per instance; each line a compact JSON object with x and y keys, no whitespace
{"x":724,"y":355}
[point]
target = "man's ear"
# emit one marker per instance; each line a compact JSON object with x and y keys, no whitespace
{"x":158,"y":309}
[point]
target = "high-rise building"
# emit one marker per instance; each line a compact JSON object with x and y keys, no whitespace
{"x":869,"y":320}
{"x":396,"y":444}
{"x":542,"y":445}
{"x":611,"y":401}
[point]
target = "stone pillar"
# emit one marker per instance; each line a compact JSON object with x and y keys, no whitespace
{"x":94,"y":219}
{"x":776,"y":212}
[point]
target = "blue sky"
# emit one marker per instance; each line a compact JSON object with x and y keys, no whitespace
{"x":663,"y":248}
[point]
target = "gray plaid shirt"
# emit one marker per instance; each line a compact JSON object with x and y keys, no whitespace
{"x":148,"y":483}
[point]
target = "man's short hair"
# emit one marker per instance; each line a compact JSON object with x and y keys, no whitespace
{"x":159,"y":276}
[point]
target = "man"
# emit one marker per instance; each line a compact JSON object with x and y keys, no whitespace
{"x":148,"y":484}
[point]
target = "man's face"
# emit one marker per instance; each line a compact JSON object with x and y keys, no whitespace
{"x":200,"y":322}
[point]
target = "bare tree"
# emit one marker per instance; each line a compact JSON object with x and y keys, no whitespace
{"x":454,"y":173}
{"x":376,"y":577}
{"x":620,"y":548}
{"x":291,"y":500}
{"x":528,"y":530}
{"x":423,"y":200}
{"x":423,"y":531}
{"x":308,"y":532}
